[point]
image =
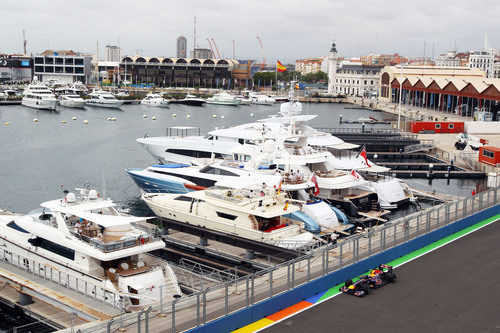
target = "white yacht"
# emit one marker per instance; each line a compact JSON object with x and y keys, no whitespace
{"x":262,"y":214}
{"x":103,"y":99}
{"x":223,"y":98}
{"x":244,"y":100}
{"x":221,"y":143}
{"x":261,"y":99}
{"x":71,"y":101}
{"x":90,"y":242}
{"x":153,"y":99}
{"x":39,"y":96}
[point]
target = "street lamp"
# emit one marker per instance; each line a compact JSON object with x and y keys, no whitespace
{"x":400,"y":95}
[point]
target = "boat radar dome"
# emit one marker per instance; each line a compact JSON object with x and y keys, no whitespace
{"x":70,"y":197}
{"x":92,"y":194}
{"x":269,"y":146}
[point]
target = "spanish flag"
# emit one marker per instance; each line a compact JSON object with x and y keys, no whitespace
{"x":280,"y":67}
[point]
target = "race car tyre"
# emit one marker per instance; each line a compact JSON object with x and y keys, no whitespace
{"x":348,"y":283}
{"x":392,"y":278}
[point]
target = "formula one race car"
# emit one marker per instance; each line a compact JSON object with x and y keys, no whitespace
{"x":360,"y":288}
{"x":377,"y":278}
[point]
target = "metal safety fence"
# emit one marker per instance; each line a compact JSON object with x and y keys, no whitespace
{"x":222,"y":299}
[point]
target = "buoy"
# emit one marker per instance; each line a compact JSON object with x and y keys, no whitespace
{"x":109,"y":119}
{"x":35,"y":120}
{"x":85,"y":121}
{"x":251,"y":114}
{"x":154,"y":118}
{"x":174,"y":115}
{"x":113,"y":119}
{"x":7,"y":123}
{"x":144,"y":116}
{"x":214,"y":116}
{"x":188,"y":116}
{"x":223,"y":116}
{"x":74,"y":118}
{"x":64,"y":121}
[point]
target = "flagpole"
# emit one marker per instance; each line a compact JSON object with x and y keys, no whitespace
{"x":276,"y":77}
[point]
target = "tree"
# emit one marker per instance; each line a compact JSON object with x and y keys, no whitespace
{"x":318,"y":77}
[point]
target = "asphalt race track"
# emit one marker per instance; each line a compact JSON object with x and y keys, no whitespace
{"x":455,"y":288}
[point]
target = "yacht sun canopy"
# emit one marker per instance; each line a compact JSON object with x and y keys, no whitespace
{"x":109,"y":220}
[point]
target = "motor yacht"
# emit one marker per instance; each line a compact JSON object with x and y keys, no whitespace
{"x":292,"y":124}
{"x":39,"y":96}
{"x":89,"y":242}
{"x":244,"y":100}
{"x":103,"y":99}
{"x":189,"y":100}
{"x":259,"y":214}
{"x":153,"y":99}
{"x":261,"y":99}
{"x":223,"y":98}
{"x":71,"y":101}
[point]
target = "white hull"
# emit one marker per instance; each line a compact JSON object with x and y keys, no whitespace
{"x":233,"y":103}
{"x":72,"y":104}
{"x":155,"y":103}
{"x":203,"y":218}
{"x":102,"y":104}
{"x":39,"y":104}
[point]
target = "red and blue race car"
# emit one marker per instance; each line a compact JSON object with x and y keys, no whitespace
{"x":377,"y":278}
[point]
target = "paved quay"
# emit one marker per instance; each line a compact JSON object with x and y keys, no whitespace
{"x":448,"y":290}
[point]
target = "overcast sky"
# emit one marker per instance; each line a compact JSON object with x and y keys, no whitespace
{"x":289,"y":29}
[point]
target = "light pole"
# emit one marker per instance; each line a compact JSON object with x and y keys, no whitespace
{"x":400,"y":95}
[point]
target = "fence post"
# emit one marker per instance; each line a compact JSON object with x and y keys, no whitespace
{"x":173,"y":314}
{"x":205,"y":306}
{"x":341,"y":254}
{"x":247,"y":298}
{"x":293,"y":274}
{"x":271,"y":283}
{"x":495,"y":195}
{"x":108,"y":325}
{"x":226,"y":298}
{"x":252,"y":289}
{"x":456,"y":211}
{"x":327,"y":259}
{"x":139,"y":321}
{"x":369,"y":242}
{"x":308,"y":268}
{"x":481,"y":197}
{"x":197,"y":309}
{"x":428,"y":222}
{"x":146,"y":322}
{"x":323,"y":263}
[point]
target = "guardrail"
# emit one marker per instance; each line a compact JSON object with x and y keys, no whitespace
{"x":220,"y":300}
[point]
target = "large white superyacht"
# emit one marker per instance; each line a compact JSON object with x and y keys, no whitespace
{"x":39,"y":96}
{"x":87,"y":241}
{"x":262,"y":214}
{"x":103,"y":99}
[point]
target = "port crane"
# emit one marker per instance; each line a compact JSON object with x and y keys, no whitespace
{"x":263,"y":56}
{"x":216,"y":49}
{"x":211,"y":48}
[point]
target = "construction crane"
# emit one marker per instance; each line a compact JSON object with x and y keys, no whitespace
{"x":263,"y":56}
{"x":24,"y":42}
{"x":216,"y":49}
{"x":211,"y":48}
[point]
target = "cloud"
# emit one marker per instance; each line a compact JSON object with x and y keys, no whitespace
{"x":289,"y":29}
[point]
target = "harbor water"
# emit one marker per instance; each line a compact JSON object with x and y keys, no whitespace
{"x":38,"y":160}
